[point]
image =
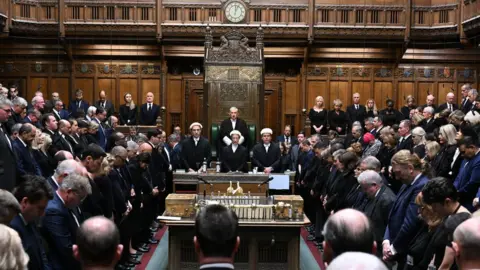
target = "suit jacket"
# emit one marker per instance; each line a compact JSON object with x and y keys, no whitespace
{"x":444,"y":106}
{"x":294,"y":152}
{"x":262,"y":159}
{"x":466,"y":105}
{"x":37,"y":124}
{"x":377,"y":210}
{"x":109,"y":108}
{"x":293,"y":140}
{"x":406,"y":144}
{"x":60,"y":231}
{"x":101,"y":134}
{"x":429,"y":126}
{"x":403,"y":221}
{"x":26,"y":163}
{"x":62,"y":114}
{"x":175,"y":156}
{"x":226,"y":127}
{"x":8,"y":164}
{"x":467,"y":181}
{"x":32,"y":244}
{"x":127,"y":116}
{"x":158,"y":167}
{"x":73,"y":107}
{"x":192,"y":154}
{"x":234,"y":161}
{"x":356,"y":115}
{"x":149,"y":118}
{"x":120,"y":192}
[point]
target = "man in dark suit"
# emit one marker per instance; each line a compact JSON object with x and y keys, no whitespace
{"x":59,"y":112}
{"x":175,"y":150}
{"x":428,"y":123}
{"x":378,"y":203}
{"x":378,"y":126}
{"x":430,"y":102}
{"x":78,"y":104}
{"x":234,"y":156}
{"x":107,"y":105}
{"x":196,"y":149}
{"x":449,"y":104}
{"x":100,"y":116}
{"x":33,"y":195}
{"x":405,"y":142}
{"x":287,"y":137}
{"x":356,"y":112}
{"x":50,"y":104}
{"x":63,"y":143}
{"x":61,"y":221}
{"x":466,"y":104}
{"x":233,"y":123}
{"x":216,"y":253}
{"x":467,"y":181}
{"x":64,"y":169}
{"x":149,"y":111}
{"x":266,"y":155}
{"x":8,"y":164}
{"x":403,"y":221}
{"x":26,"y":163}
{"x":33,"y":117}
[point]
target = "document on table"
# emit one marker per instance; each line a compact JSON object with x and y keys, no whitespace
{"x":279,"y":182}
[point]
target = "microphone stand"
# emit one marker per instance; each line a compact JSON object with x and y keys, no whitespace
{"x":205,"y":183}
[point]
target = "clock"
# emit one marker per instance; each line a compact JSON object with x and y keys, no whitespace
{"x":235,"y":12}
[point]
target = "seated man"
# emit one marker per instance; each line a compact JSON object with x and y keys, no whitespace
{"x":230,"y":124}
{"x":234,"y":156}
{"x":266,"y":155}
{"x":216,"y":237}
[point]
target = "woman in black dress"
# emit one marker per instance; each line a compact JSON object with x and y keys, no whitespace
{"x":391,"y":116}
{"x":337,"y":118}
{"x":409,"y":105}
{"x":128,"y":111}
{"x":40,"y":146}
{"x":418,"y":138}
{"x":318,"y":117}
{"x":371,"y":108}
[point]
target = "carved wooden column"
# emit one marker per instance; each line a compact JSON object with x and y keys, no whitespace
{"x":158,"y":11}
{"x":280,"y":112}
{"x":61,"y":18}
{"x":187,"y":97}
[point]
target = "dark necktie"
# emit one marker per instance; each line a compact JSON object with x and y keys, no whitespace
{"x":79,"y":103}
{"x":149,"y":107}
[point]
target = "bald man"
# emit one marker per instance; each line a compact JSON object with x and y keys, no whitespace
{"x":449,"y":104}
{"x":347,"y":230}
{"x":230,"y":124}
{"x":149,"y":111}
{"x":430,"y":102}
{"x":105,"y":104}
{"x":64,"y":129}
{"x":356,"y":260}
{"x":466,"y":244}
{"x":98,"y":244}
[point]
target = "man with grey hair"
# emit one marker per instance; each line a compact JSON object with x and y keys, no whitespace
{"x":369,"y":124}
{"x":62,"y":220}
{"x":175,"y":149}
{"x":404,"y":131}
{"x":428,"y":123}
{"x":355,"y":136}
{"x":132,"y":150}
{"x":9,"y":207}
{"x":347,"y":230}
{"x":14,"y":131}
{"x":472,"y":96}
{"x":58,"y":111}
{"x":91,"y":111}
{"x":449,"y":104}
{"x":64,"y":169}
{"x":466,"y":104}
{"x":8,"y":164}
{"x":22,"y":146}
{"x":38,"y":103}
{"x":232,"y":123}
{"x":356,"y":260}
{"x":19,"y":105}
{"x":379,"y":201}
{"x":466,"y":244}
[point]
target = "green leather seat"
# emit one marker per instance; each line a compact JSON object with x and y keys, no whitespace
{"x":215,"y":132}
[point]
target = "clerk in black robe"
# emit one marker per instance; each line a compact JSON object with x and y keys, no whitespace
{"x":266,"y":155}
{"x":233,"y":123}
{"x":234,"y":156}
{"x":195,"y":149}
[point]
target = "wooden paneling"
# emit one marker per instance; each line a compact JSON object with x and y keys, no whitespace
{"x":37,"y":84}
{"x":316,"y":88}
{"x":364,"y":89}
{"x":60,"y":85}
{"x":339,"y":90}
{"x":174,"y":99}
{"x":423,"y":89}
{"x":130,"y":86}
{"x":86,"y":84}
{"x":151,"y":85}
{"x":291,"y":95}
{"x":109,"y":86}
{"x":404,"y":90}
{"x":443,"y":89}
{"x":383,"y":91}
{"x":271,"y":112}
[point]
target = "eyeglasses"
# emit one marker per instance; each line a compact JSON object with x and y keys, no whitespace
{"x":7,"y":110}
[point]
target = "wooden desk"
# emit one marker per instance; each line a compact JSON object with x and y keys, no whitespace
{"x":188,"y":182}
{"x":264,"y":244}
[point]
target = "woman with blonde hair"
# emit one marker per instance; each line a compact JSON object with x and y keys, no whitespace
{"x":417,"y":119}
{"x":128,"y":111}
{"x":442,"y":164}
{"x":91,"y":134}
{"x":40,"y":151}
{"x":337,"y":118}
{"x":318,"y":116}
{"x":371,"y":108}
{"x":12,"y":255}
{"x":419,"y":141}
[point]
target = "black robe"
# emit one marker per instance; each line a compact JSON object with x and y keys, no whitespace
{"x":262,"y":159}
{"x":191,"y":154}
{"x":234,"y":161}
{"x":226,"y":128}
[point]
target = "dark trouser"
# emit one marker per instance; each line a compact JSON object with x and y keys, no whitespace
{"x":321,"y":218}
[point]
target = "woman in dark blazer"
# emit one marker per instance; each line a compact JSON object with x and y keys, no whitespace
{"x":41,"y":144}
{"x":337,"y":119}
{"x":128,"y":111}
{"x":318,"y":116}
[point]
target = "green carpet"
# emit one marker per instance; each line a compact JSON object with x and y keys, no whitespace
{"x":159,"y":260}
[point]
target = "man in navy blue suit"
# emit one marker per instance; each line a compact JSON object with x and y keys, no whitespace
{"x":61,"y":221}
{"x":22,"y":146}
{"x":403,"y":222}
{"x":59,"y":112}
{"x":287,"y":136}
{"x":78,"y":104}
{"x":33,"y":195}
{"x":149,"y":111}
{"x":100,"y":116}
{"x":467,"y":181}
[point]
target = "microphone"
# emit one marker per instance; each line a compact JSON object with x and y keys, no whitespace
{"x":266,"y":181}
{"x":204,"y":181}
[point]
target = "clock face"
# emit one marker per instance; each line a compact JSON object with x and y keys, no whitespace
{"x":235,"y":12}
